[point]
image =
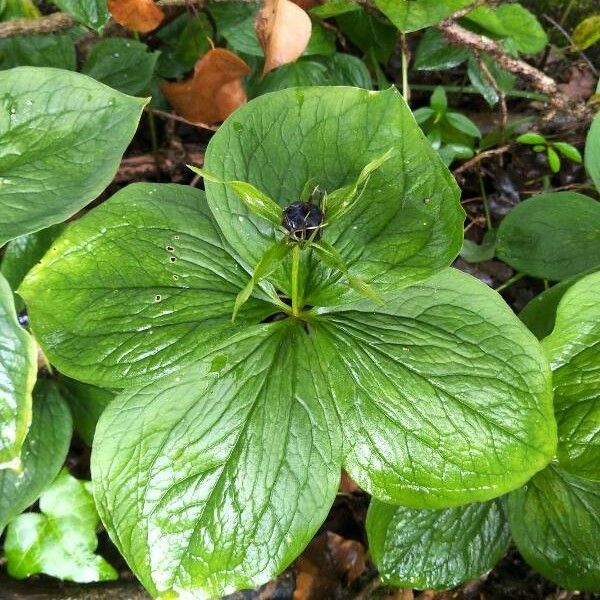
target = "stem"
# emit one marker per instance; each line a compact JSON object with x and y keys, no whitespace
{"x":154,"y":140}
{"x":565,"y":15}
{"x":468,"y":89}
{"x":510,"y":281}
{"x":486,"y":205}
{"x":405,"y":61}
{"x":296,"y":304}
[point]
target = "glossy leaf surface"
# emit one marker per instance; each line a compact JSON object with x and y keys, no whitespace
{"x":42,"y":456}
{"x":138,"y":287}
{"x":574,"y":352}
{"x":216,"y":479}
{"x":92,"y":13}
{"x":330,"y":135}
{"x":592,"y":152}
{"x":18,"y":368}
{"x":422,"y":426}
{"x":554,"y":523}
{"x":68,"y":129}
{"x":436,"y":549}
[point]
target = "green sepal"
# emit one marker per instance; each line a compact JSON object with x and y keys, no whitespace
{"x":342,"y":200}
{"x":255,"y":200}
{"x":270,"y":260}
{"x":332,"y":258}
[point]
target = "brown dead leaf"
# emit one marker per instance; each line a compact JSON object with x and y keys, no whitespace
{"x":329,"y":564}
{"x":136,"y":15}
{"x":283,"y":30}
{"x":307,"y":4}
{"x":347,"y":484}
{"x":214,"y":91}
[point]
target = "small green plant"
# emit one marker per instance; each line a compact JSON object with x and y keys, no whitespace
{"x":451,"y":133}
{"x":553,"y":150}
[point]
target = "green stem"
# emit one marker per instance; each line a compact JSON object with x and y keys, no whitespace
{"x":510,"y":281}
{"x":565,"y":14}
{"x":486,"y":204}
{"x":296,"y":305}
{"x":471,"y":90}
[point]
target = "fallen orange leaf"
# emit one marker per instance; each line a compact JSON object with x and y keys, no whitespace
{"x":136,"y":15}
{"x":214,"y":91}
{"x":283,"y":30}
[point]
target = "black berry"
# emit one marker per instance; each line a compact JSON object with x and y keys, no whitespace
{"x":303,"y":220}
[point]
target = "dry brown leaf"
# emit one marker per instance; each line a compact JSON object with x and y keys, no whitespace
{"x":307,"y":4}
{"x":136,"y":15}
{"x":329,"y":565}
{"x":214,"y":91}
{"x":283,"y":30}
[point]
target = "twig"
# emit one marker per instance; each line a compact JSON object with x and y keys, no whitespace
{"x":461,"y":12}
{"x":174,"y":117}
{"x":478,"y":158}
{"x":54,"y":22}
{"x":459,"y":36}
{"x":570,"y":40}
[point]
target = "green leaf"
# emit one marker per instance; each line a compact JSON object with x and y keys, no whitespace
{"x":523,"y":27}
{"x":92,"y":13}
{"x":330,"y":256}
{"x":587,"y":33}
{"x":568,"y":151}
{"x":554,"y":523}
{"x":540,"y":313}
{"x":553,"y":159}
{"x":122,"y":64}
{"x":343,"y":200}
{"x":184,"y":40}
{"x":369,"y":33}
{"x":592,"y":151}
{"x":136,"y":288}
{"x":87,"y":402}
{"x":18,"y":369}
{"x":438,"y":100}
{"x":235,"y":23}
{"x":334,"y":8}
{"x":423,"y":114}
{"x":241,"y":463}
{"x":280,"y":141}
{"x":61,"y":540}
{"x":574,"y":352}
{"x":20,"y":9}
{"x":339,"y":69}
{"x":462,"y":123}
{"x":551,"y":236}
{"x":412,"y":15}
{"x":68,"y":129}
{"x":435,"y":54}
{"x":475,"y":253}
{"x":531,"y":138}
{"x":485,"y":20}
{"x":38,"y":51}
{"x":270,"y":260}
{"x":423,"y":427}
{"x":43,"y":453}
{"x":436,"y":549}
{"x":254,"y":200}
{"x":23,"y":253}
{"x":479,"y":80}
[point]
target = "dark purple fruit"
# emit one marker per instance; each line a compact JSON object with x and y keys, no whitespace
{"x":303,"y":220}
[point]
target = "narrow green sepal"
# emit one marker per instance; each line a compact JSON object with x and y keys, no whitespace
{"x":255,"y":200}
{"x":331,"y":257}
{"x":340,"y":201}
{"x":269,"y":261}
